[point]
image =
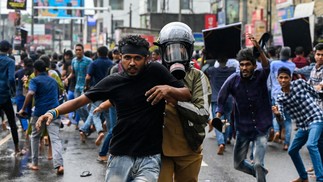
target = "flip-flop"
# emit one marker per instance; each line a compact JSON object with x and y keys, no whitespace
{"x":264,"y":39}
{"x":100,"y":160}
{"x":23,"y":115}
{"x":217,"y":124}
{"x":262,"y":42}
{"x":86,"y":174}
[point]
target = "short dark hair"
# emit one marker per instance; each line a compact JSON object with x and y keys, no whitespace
{"x":46,"y":60}
{"x":103,"y":51}
{"x":68,"y":53}
{"x":156,"y":51}
{"x":134,"y":40}
{"x":110,"y":56}
{"x":88,"y":54}
{"x":79,"y":45}
{"x":299,"y":50}
{"x":246,"y":54}
{"x":284,"y":70}
{"x":40,"y":65}
{"x":319,"y":47}
{"x":28,"y":62}
{"x":272,"y":51}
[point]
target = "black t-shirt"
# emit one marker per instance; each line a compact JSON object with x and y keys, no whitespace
{"x":138,"y":131}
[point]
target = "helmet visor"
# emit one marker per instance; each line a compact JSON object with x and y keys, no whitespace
{"x":175,"y":53}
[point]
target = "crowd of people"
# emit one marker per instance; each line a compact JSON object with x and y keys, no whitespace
{"x":130,"y":95}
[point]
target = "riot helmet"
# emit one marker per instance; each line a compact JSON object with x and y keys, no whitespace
{"x":176,"y":43}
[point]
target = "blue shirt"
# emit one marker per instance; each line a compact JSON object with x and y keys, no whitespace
{"x":19,"y":75}
{"x":7,"y":78}
{"x":98,"y":69}
{"x":217,"y":77}
{"x":300,"y":104}
{"x":80,"y":67}
{"x":46,"y":93}
{"x":274,"y":67}
{"x":252,"y":106}
{"x":306,"y":71}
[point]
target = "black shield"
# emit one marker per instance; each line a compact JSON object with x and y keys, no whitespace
{"x":296,"y":32}
{"x":222,"y":41}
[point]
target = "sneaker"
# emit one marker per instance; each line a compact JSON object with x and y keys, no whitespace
{"x":221,"y":149}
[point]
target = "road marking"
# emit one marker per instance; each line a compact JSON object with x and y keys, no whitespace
{"x":5,"y":139}
{"x":204,"y":164}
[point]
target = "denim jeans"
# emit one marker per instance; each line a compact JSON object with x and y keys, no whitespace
{"x":95,"y":119}
{"x":20,"y":102}
{"x":314,"y":143}
{"x":287,"y":124}
{"x":113,"y":119}
{"x":240,"y":153}
{"x":222,"y":137}
{"x":72,"y":115}
{"x":82,"y":111}
{"x":53,"y":132}
{"x":137,"y":169}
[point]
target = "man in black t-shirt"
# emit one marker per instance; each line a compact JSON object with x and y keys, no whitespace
{"x":139,"y":95}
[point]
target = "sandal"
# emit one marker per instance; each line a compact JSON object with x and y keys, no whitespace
{"x":102,"y":159}
{"x":86,"y":174}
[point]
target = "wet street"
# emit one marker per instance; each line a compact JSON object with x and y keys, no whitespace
{"x":79,"y":157}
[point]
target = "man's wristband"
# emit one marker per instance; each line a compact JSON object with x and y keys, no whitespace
{"x":54,"y":113}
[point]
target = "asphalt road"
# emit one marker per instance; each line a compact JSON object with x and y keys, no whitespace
{"x":79,"y":157}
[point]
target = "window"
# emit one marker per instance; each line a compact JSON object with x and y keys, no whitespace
{"x":116,"y":4}
{"x":185,"y":4}
{"x":117,"y":23}
{"x":152,"y":6}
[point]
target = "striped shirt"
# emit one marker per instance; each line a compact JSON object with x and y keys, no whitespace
{"x":316,"y":78}
{"x":300,"y":104}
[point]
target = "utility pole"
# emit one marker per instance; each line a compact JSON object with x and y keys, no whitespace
{"x":269,"y":18}
{"x":130,"y":15}
{"x":180,"y":11}
{"x":32,"y":23}
{"x":112,"y":28}
{"x":71,"y":33}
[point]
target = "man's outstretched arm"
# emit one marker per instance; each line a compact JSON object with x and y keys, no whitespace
{"x":169,"y":93}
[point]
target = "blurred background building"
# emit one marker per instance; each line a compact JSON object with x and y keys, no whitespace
{"x":59,"y":29}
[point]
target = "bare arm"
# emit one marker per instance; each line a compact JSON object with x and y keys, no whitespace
{"x":87,"y":82}
{"x":28,"y":99}
{"x":103,"y":106}
{"x":70,"y":76}
{"x":64,"y":108}
{"x":277,"y":113}
{"x":262,"y":57}
{"x":169,"y":93}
